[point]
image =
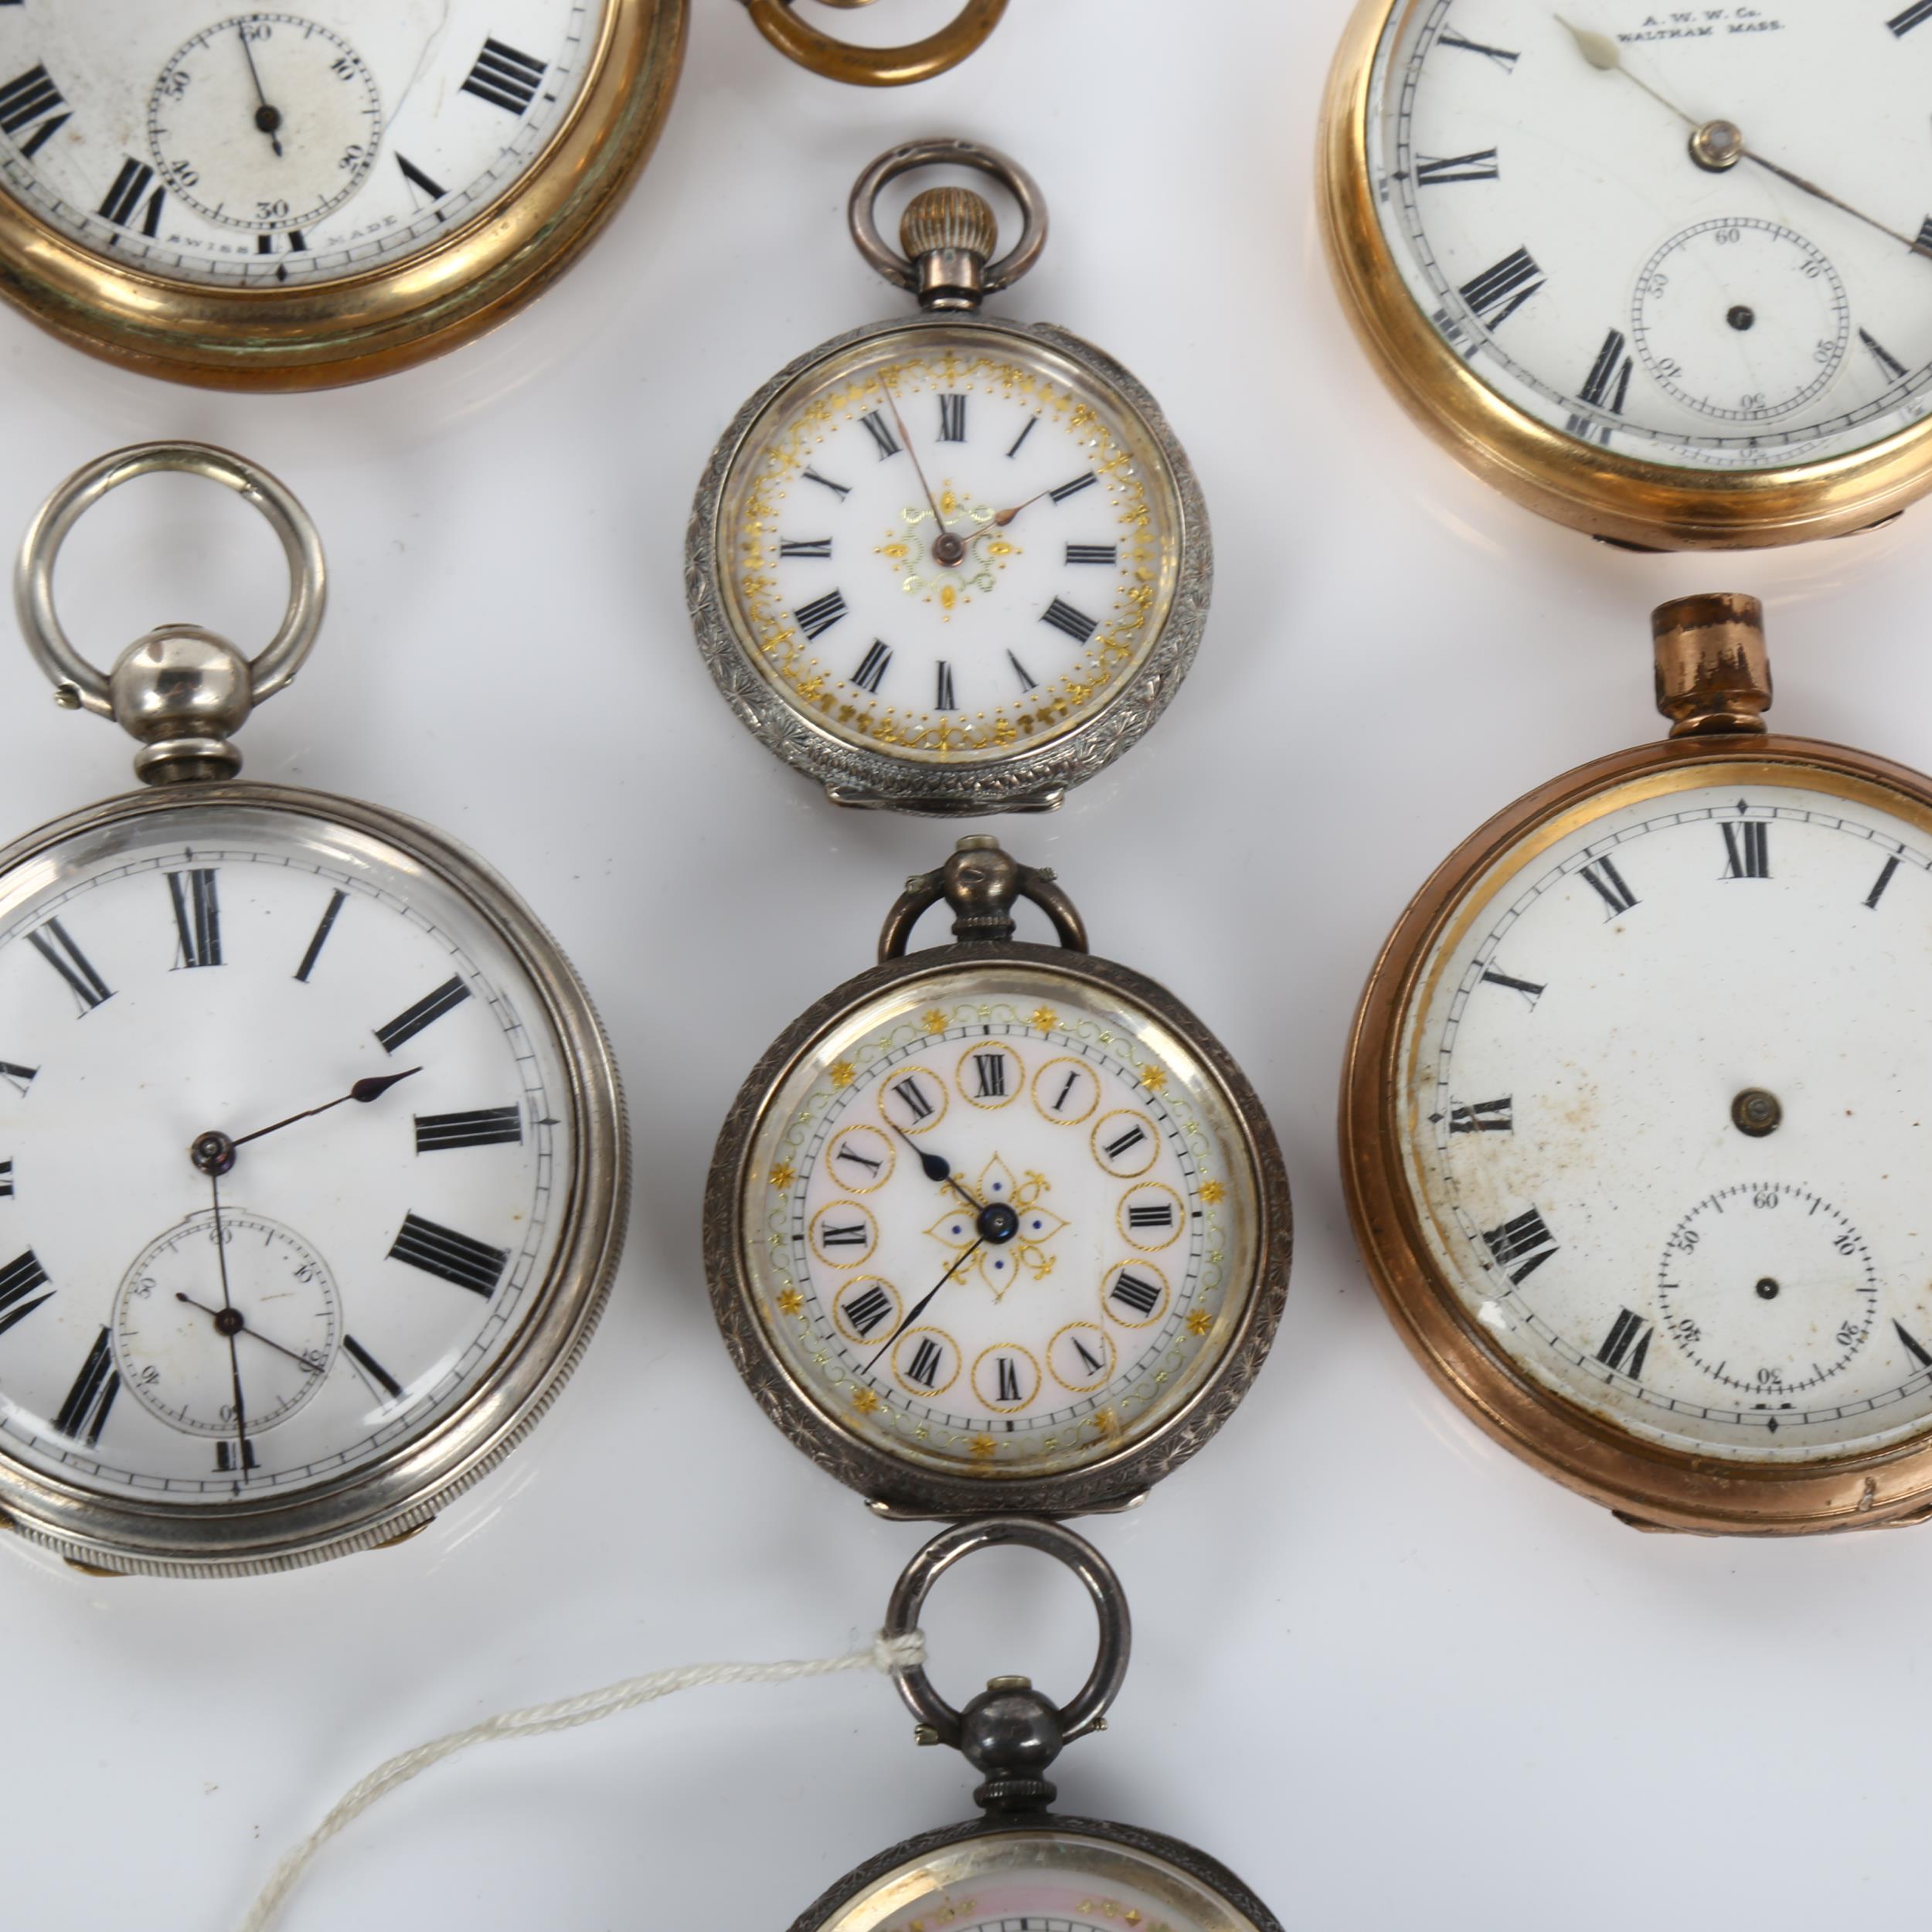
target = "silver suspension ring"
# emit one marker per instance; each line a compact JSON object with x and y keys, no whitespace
{"x":944,"y":151}
{"x":1089,"y":1702}
{"x":279,"y":660}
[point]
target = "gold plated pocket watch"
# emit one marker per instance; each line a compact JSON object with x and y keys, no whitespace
{"x":290,"y":200}
{"x":997,"y":1227}
{"x":1634,"y":1117}
{"x":1021,"y":1866}
{"x":1666,"y":283}
{"x":949,"y":564}
{"x":312,"y":1171}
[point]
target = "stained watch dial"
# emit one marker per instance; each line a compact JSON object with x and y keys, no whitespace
{"x":950,"y":543}
{"x":1000,"y":1223}
{"x":272,"y":147}
{"x":1665,"y":1088}
{"x":197,"y":1333}
{"x":1699,"y":237}
{"x":1045,"y":1880}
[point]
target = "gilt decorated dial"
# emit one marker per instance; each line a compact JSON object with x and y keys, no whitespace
{"x":1001,"y":1223}
{"x":950,"y":543}
{"x":1666,"y":1088}
{"x":276,"y":147}
{"x":284,"y":1136}
{"x":1703,"y":238}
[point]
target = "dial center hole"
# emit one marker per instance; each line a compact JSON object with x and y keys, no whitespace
{"x":229,"y":1322}
{"x":1768,"y":1290}
{"x":1742,"y":317}
{"x":948,"y":548}
{"x":1757,"y":1113}
{"x":268,"y":119}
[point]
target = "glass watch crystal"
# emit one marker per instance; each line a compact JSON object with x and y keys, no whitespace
{"x":312,"y":1176}
{"x":997,"y":1225}
{"x":1659,"y":275}
{"x":954,"y":563}
{"x":1631,"y":1109}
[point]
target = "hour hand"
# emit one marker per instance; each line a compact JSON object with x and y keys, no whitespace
{"x":214,"y":1153}
{"x":935,"y":1166}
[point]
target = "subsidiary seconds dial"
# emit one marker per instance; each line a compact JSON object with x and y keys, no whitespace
{"x":266,"y":146}
{"x":267,"y":122}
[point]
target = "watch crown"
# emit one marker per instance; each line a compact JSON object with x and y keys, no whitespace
{"x":948,"y":235}
{"x":1713,"y":672}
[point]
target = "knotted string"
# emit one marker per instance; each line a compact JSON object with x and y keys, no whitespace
{"x":884,"y":1653}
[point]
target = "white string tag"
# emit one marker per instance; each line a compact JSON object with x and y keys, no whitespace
{"x":884,"y":1653}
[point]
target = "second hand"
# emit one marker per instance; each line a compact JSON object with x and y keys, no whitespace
{"x":228,"y":1306}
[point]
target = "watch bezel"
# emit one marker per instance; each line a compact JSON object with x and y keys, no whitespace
{"x":393,"y":314}
{"x":1624,"y":499}
{"x":1649,"y":1484}
{"x":1025,"y":780}
{"x":906,"y":1489}
{"x":402,"y":1488}
{"x":823,"y":1915}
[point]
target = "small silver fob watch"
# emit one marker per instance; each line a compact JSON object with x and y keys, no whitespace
{"x":312,"y":1169}
{"x":1021,"y":1865}
{"x":949,"y":563}
{"x":997,"y":1227}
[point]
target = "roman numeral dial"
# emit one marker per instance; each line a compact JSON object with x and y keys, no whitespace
{"x":995,"y":546}
{"x":270,"y":149}
{"x":1648,"y":1126}
{"x":999,"y":1227}
{"x":289,"y":1142}
{"x":1551,"y":202}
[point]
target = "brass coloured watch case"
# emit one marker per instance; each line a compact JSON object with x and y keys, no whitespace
{"x":1719,"y":739}
{"x":398,"y":313}
{"x":1622,"y":499}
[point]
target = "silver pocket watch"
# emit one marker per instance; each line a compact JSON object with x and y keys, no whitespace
{"x":313,"y":1172}
{"x":949,"y":563}
{"x":1021,"y":1866}
{"x":997,"y":1227}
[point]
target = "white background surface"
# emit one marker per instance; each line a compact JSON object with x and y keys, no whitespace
{"x":1389,"y":1675}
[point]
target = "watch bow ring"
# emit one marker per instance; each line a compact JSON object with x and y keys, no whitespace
{"x":865,"y":67}
{"x":79,"y":683}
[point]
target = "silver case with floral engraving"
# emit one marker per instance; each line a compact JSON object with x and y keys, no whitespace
{"x":1027,"y":780}
{"x":902,"y":1487}
{"x":402,"y":1490}
{"x":822,"y":1915}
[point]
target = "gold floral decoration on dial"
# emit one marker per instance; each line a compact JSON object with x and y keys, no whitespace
{"x":949,"y":550}
{"x":1024,"y":1276}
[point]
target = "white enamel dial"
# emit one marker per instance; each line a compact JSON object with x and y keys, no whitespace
{"x":1667,"y":1084}
{"x":274,"y":146}
{"x":1540,"y":195}
{"x":395,"y":1105}
{"x":1004,"y":1223}
{"x":1041,"y":1880}
{"x":950,"y":543}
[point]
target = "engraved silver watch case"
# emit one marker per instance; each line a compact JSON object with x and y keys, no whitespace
{"x":183,"y":692}
{"x":1011,"y":1733}
{"x":1239,"y":1305}
{"x":948,"y":235}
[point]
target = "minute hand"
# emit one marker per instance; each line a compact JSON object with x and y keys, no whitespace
{"x":920,"y":1307}
{"x":1603,"y":54}
{"x":1917,"y":247}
